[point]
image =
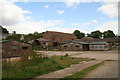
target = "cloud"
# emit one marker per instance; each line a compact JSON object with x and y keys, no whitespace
{"x":75,"y":24}
{"x":64,"y":0}
{"x":102,"y":18}
{"x":72,"y":3}
{"x":91,"y":22}
{"x":59,"y":29}
{"x":30,"y":27}
{"x":87,"y":23}
{"x":112,"y":25}
{"x":12,"y":14}
{"x":94,"y":21}
{"x":109,"y":9}
{"x":46,"y":6}
{"x":60,"y":11}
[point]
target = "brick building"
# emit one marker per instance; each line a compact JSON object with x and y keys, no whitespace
{"x":77,"y":45}
{"x":43,"y":43}
{"x":57,"y":37}
{"x":14,"y":48}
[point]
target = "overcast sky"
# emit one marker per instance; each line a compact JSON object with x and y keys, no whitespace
{"x":28,"y":17}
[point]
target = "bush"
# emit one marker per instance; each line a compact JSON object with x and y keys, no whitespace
{"x":66,"y":55}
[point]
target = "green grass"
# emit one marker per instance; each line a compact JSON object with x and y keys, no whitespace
{"x":38,"y":66}
{"x":83,"y":73}
{"x":115,"y":48}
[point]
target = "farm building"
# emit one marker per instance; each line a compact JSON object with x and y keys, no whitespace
{"x":43,"y":43}
{"x":99,"y":46}
{"x":112,"y":41}
{"x":76,"y":45}
{"x":57,"y":37}
{"x":14,"y":48}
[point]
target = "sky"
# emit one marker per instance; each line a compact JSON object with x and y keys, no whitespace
{"x":29,"y":17}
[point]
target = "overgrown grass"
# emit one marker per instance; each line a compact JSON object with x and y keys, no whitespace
{"x":83,"y":73}
{"x":115,"y":48}
{"x":38,"y":65}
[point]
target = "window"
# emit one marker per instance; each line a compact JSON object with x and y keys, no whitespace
{"x":14,"y":47}
{"x":44,"y":43}
{"x":65,"y":46}
{"x":25,"y":47}
{"x":101,"y":47}
{"x":77,"y":46}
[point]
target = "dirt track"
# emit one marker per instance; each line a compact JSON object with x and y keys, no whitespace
{"x":108,"y":70}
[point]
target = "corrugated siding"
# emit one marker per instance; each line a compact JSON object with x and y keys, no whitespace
{"x":97,"y":47}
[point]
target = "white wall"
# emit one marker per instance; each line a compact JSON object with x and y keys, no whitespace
{"x":97,"y":47}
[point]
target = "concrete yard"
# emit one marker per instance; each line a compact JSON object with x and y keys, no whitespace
{"x":69,"y":71}
{"x":108,"y":70}
{"x":99,"y":55}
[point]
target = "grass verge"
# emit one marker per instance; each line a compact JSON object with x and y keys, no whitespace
{"x":38,"y":66}
{"x":82,"y":73}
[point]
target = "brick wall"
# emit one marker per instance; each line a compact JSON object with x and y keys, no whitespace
{"x":15,"y":49}
{"x":58,"y":36}
{"x":71,"y":47}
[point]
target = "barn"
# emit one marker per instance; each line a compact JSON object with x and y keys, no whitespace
{"x":43,"y":43}
{"x":77,"y":45}
{"x":14,"y":48}
{"x":99,"y":46}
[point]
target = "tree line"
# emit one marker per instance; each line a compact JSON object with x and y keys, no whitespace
{"x":95,"y":34}
{"x":77,"y":33}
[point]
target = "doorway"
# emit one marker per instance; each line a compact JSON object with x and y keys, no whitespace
{"x":85,"y":47}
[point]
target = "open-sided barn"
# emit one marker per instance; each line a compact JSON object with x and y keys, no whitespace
{"x":43,"y":43}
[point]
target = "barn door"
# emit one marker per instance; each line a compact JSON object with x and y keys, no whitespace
{"x":86,"y":47}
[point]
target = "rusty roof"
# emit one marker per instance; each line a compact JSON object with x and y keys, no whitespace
{"x":5,"y":41}
{"x":42,"y":39}
{"x":58,"y":32}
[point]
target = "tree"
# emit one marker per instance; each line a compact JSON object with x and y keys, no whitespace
{"x":89,"y":35}
{"x":4,"y":30}
{"x":14,"y":32}
{"x":78,"y":34}
{"x":108,"y":34}
{"x":96,"y":34}
{"x":33,"y":36}
{"x":14,"y":36}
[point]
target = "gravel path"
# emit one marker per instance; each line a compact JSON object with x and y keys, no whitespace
{"x":108,"y":70}
{"x":69,"y":71}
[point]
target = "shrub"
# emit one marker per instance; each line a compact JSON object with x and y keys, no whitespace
{"x":66,"y":55}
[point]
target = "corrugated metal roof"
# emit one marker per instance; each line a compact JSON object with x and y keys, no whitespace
{"x":79,"y":42}
{"x":4,"y":41}
{"x":98,"y":42}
